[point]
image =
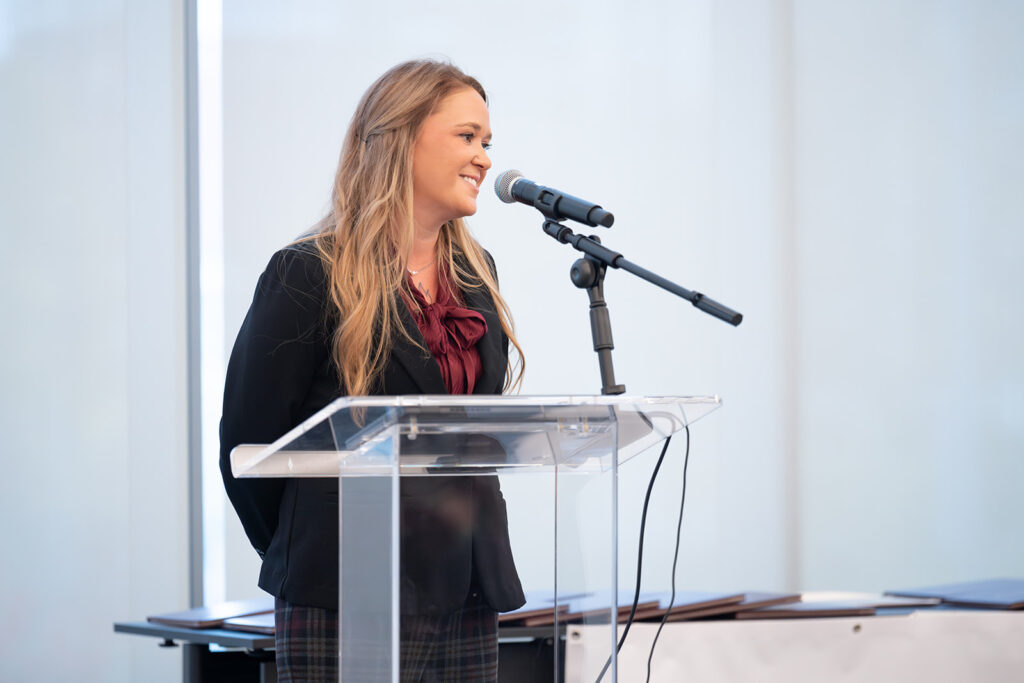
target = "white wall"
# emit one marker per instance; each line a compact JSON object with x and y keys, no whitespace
{"x":92,"y":355}
{"x":843,"y":175}
{"x":910,"y":160}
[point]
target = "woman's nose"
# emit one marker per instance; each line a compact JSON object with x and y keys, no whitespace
{"x":482,"y":160}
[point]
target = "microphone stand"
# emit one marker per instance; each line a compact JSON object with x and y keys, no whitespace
{"x":588,"y":273}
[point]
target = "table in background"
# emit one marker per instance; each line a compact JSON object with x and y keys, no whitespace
{"x":525,"y":654}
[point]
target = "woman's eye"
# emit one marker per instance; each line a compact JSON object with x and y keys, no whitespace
{"x":469,"y":137}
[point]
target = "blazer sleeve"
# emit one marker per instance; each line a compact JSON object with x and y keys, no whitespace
{"x":280,"y":346}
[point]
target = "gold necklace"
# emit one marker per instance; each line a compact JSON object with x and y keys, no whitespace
{"x":422,"y":268}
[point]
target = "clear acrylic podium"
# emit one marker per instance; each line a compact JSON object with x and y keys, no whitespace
{"x":557,"y":458}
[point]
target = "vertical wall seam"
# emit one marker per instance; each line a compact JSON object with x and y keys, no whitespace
{"x":786,"y":225}
{"x":194,"y":390}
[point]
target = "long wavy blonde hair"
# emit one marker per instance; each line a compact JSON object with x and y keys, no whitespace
{"x":366,"y":238}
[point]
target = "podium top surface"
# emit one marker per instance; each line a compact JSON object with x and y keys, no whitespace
{"x":422,"y":434}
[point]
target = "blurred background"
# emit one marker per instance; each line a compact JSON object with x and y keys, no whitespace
{"x":844,"y":174}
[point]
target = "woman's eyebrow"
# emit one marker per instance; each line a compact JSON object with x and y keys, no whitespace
{"x":475,"y":126}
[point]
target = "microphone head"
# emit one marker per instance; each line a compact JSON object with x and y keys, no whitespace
{"x":503,"y":185}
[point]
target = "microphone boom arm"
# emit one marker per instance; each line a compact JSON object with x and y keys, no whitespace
{"x":593,"y":248}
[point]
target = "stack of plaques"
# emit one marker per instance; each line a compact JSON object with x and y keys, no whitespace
{"x":988,"y":594}
{"x":252,"y":616}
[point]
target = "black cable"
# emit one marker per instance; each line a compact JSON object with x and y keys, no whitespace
{"x":639,"y":562}
{"x":675,"y":559}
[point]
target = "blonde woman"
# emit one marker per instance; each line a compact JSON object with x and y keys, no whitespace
{"x":389,"y":295}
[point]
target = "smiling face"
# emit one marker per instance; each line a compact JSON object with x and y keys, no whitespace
{"x":450,"y":160}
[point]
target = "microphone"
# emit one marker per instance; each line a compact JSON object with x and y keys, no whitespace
{"x":511,"y":186}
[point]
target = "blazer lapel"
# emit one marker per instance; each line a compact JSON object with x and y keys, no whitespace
{"x":492,"y":357}
{"x":416,"y":360}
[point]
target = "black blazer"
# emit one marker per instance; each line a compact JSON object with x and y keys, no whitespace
{"x":280,"y":373}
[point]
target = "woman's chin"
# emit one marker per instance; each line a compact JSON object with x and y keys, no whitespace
{"x":465,"y":211}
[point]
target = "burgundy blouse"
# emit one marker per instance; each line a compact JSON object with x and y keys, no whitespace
{"x":451,"y":333}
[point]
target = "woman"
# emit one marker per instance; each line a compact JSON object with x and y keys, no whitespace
{"x":389,"y":295}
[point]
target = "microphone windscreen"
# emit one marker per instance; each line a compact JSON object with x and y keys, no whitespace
{"x":503,"y":185}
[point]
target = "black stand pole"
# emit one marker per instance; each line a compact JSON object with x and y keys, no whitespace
{"x":588,"y":273}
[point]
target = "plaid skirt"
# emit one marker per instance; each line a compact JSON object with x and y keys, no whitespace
{"x":451,"y":647}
